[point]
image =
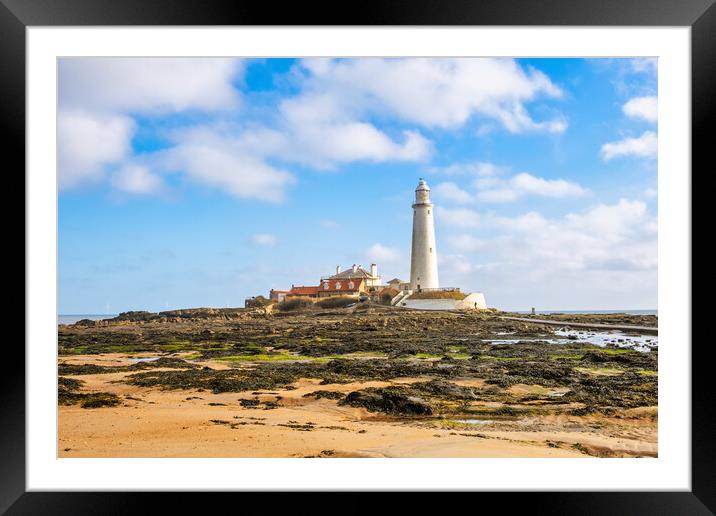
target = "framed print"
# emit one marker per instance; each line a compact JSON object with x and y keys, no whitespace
{"x":438,"y":249}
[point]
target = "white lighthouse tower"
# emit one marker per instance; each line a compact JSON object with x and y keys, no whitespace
{"x":424,"y":256}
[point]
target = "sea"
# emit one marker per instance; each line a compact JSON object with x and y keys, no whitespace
{"x":73,"y":318}
{"x":628,"y":312}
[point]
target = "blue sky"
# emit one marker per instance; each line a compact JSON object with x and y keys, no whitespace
{"x":199,"y":182}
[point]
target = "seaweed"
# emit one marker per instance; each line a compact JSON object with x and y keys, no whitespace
{"x":338,"y":346}
{"x":85,"y":369}
{"x":68,"y":394}
{"x":331,"y":395}
{"x":391,"y":400}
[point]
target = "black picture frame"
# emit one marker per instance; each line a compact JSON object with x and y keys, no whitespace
{"x":700,"y":15}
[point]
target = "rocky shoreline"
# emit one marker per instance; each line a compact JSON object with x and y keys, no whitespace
{"x":432,"y":371}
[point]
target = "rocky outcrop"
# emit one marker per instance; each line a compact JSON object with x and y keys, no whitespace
{"x":390,"y":400}
{"x":175,"y":316}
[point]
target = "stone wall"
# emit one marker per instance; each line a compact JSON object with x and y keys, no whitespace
{"x":476,"y":300}
{"x":429,"y":304}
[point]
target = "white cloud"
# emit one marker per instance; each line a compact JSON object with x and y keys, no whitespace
{"x":327,"y":144}
{"x":452,"y":193}
{"x":309,"y":131}
{"x":614,"y":222}
{"x":441,"y":93}
{"x":524,"y":184}
{"x":494,"y":189}
{"x":98,"y":96}
{"x":136,"y":179}
{"x":630,"y":77}
{"x":619,"y":236}
{"x":644,"y":65}
{"x":650,"y":193}
{"x":239,"y":159}
{"x":456,"y":264}
{"x":466,"y":243}
{"x":529,"y":222}
{"x":529,"y":184}
{"x":148,"y":85}
{"x":497,"y":195}
{"x":477,"y":168}
{"x":330,"y":224}
{"x":331,"y":120}
{"x":459,"y":217}
{"x":642,"y":107}
{"x":87,"y":142}
{"x":379,"y":253}
{"x":264,"y":240}
{"x":322,"y":128}
{"x":208,"y":158}
{"x":603,"y":257}
{"x":644,"y":146}
{"x":485,"y":183}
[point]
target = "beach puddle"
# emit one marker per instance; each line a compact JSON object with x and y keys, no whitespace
{"x":474,"y":421}
{"x":136,"y":360}
{"x":603,"y":339}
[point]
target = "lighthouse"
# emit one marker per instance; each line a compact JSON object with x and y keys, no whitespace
{"x":423,"y":257}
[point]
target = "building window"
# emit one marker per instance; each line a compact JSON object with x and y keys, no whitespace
{"x":325,"y":286}
{"x":350,"y":285}
{"x":431,"y":249}
{"x":338,"y":285}
{"x":428,"y":212}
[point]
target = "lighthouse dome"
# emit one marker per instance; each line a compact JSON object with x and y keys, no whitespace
{"x":422,"y":185}
{"x":422,"y":192}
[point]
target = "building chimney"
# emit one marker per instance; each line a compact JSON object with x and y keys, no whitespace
{"x":338,"y":269}
{"x":355,"y":268}
{"x":374,"y":270}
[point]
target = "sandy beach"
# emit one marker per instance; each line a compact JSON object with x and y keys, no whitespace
{"x":199,"y":424}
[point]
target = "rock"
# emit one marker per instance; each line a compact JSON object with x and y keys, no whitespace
{"x":390,"y":401}
{"x":331,"y":395}
{"x":86,"y":322}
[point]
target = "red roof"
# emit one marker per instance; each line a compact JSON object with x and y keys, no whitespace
{"x":303,"y":291}
{"x":340,"y":285}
